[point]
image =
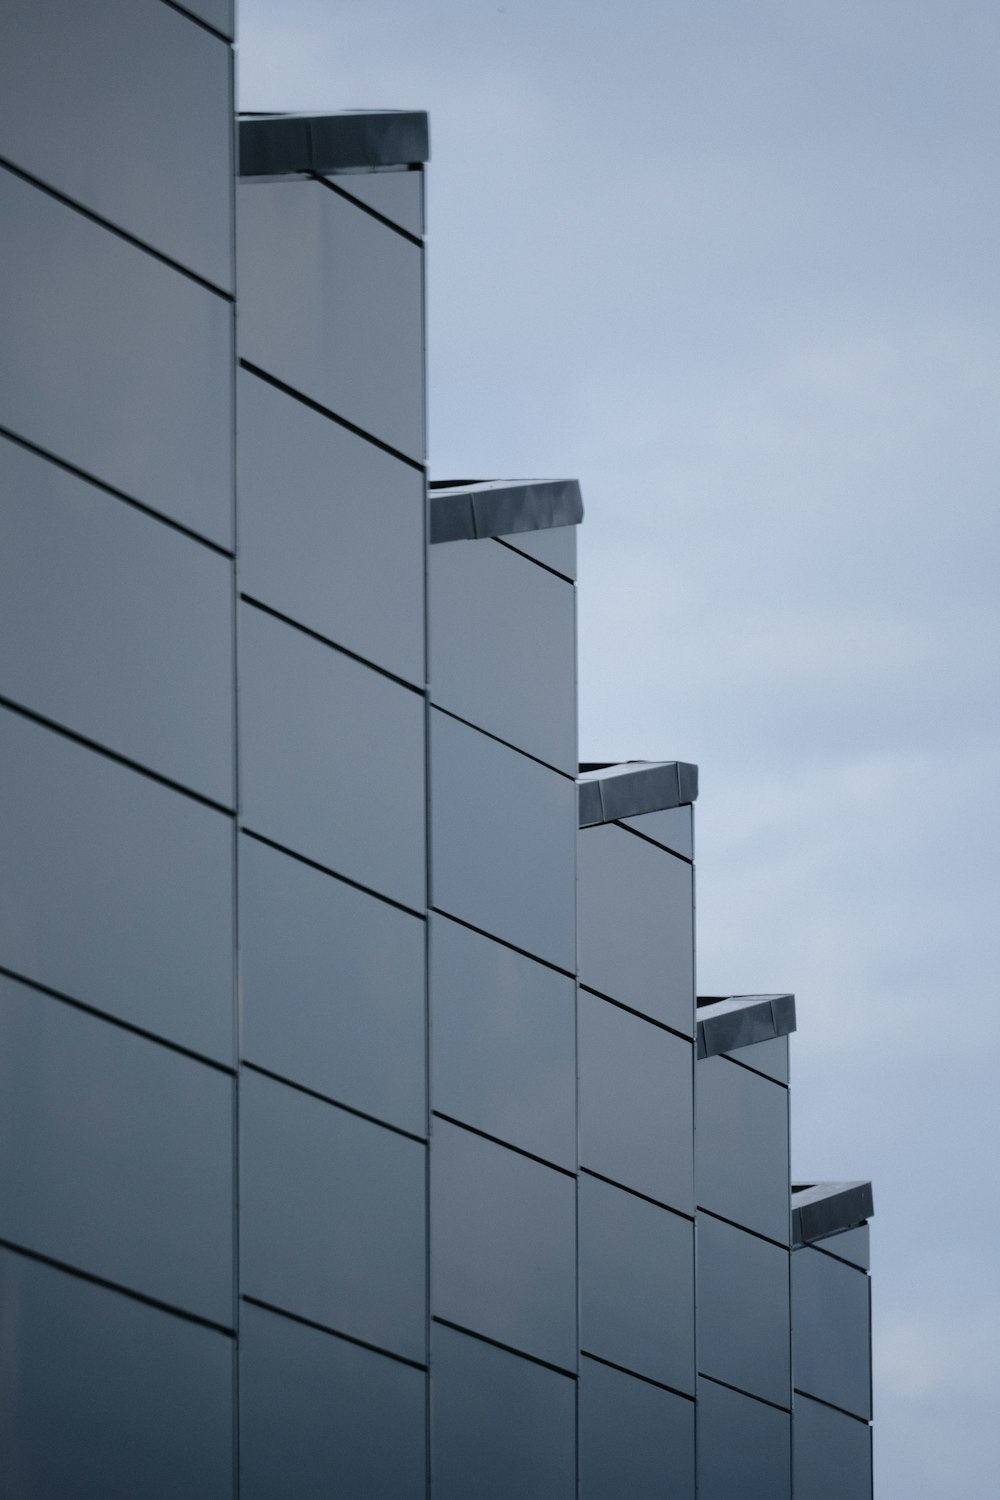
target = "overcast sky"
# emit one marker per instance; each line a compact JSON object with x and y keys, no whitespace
{"x":734,"y":265}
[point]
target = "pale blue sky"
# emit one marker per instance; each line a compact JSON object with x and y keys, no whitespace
{"x":734,"y":266}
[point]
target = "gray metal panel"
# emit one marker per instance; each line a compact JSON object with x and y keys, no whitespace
{"x":127,"y":108}
{"x":116,"y":1154}
{"x":153,"y":413}
{"x":555,"y":548}
{"x":500,"y":1425}
{"x":851,"y":1245}
{"x":331,"y":529}
{"x":115,"y":889}
{"x":820,"y":1209}
{"x":503,"y":1245}
{"x":503,"y":831}
{"x":743,"y":1310}
{"x":673,"y":828}
{"x":503,"y":1042}
{"x":741,"y":1140}
{"x":503,"y":647}
{"x":332,"y":987}
{"x":769,"y":1058}
{"x":831,"y":1331}
{"x":278,"y":145}
{"x":320,"y":1416}
{"x":331,"y":303}
{"x":104,"y":1396}
{"x":115,"y":625}
{"x":730,"y":1023}
{"x":396,"y":194}
{"x":462,"y":509}
{"x":744,"y":1447}
{"x":636,"y":925}
{"x":635,"y":1439}
{"x":217,"y":13}
{"x":331,"y":758}
{"x":636,"y":1284}
{"x":332,"y":1217}
{"x":831,"y":1454}
{"x":612,"y":792}
{"x":636,"y":1110}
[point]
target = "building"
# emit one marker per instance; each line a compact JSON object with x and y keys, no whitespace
{"x":360,"y":1134}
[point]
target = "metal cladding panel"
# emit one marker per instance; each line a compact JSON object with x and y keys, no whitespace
{"x":744,"y":1447}
{"x":503,"y":1042}
{"x":396,"y":195}
{"x":831,"y":1453}
{"x":769,"y":1058}
{"x":741,"y":1139}
{"x":103,"y":1395}
{"x":317,"y":1411}
{"x":331,"y":529}
{"x":636,"y":1284}
{"x":503,"y":836}
{"x":636,"y":1440}
{"x":636,"y":1111}
{"x":673,"y":828}
{"x":114,"y":625}
{"x":743,"y":1311}
{"x":503,"y":1245}
{"x":332,"y":1217}
{"x":126,"y":367}
{"x":150,"y":101}
{"x":636,"y":920}
{"x":130,"y":1175}
{"x":215,"y":13}
{"x":116,"y":890}
{"x":555,"y":547}
{"x":503,"y":647}
{"x":500,"y":1425}
{"x":831,"y":1331}
{"x":332,"y":987}
{"x":331,"y":304}
{"x":331,"y":758}
{"x":851,"y":1245}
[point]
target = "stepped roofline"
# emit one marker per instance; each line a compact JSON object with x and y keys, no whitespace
{"x":820,"y":1209}
{"x":609,"y":792}
{"x":293,"y":145}
{"x":473,"y":509}
{"x":728,"y":1022}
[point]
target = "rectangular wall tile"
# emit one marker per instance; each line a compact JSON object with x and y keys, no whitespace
{"x":743,"y":1311}
{"x":744,"y":1447}
{"x":831,"y":1453}
{"x":635,"y":1439}
{"x":742,"y":1147}
{"x":831,"y":1331}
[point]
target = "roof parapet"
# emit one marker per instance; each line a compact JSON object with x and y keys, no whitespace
{"x":821,"y":1209}
{"x":728,"y":1022}
{"x":473,"y":509}
{"x":354,"y":140}
{"x":610,"y":792}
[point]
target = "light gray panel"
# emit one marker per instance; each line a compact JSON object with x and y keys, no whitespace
{"x":504,"y":832}
{"x":636,"y":920}
{"x":116,"y":1154}
{"x":503,"y":647}
{"x":322,"y":1417}
{"x":769,"y":1058}
{"x":127,"y":108}
{"x":115,"y":890}
{"x":332,"y":1217}
{"x":831,"y":1331}
{"x":396,"y":195}
{"x":105,"y":1398}
{"x":852,"y":1246}
{"x":331,"y":758}
{"x":503,"y":1258}
{"x":744,"y":1447}
{"x":503,"y":1042}
{"x":636,"y":1107}
{"x":115,"y":625}
{"x":331,"y":302}
{"x":554,"y":548}
{"x":742,"y":1147}
{"x":124,"y":365}
{"x":673,"y":828}
{"x":831,"y":1454}
{"x":635,"y":1439}
{"x":743,"y":1309}
{"x":331,"y":529}
{"x":332,"y":987}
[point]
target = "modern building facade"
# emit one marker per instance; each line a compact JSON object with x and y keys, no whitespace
{"x":360,"y":1132}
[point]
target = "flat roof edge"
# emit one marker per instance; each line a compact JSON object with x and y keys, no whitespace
{"x":474,"y":510}
{"x":729,"y":1022}
{"x":821,"y":1209}
{"x":293,"y":145}
{"x":608,"y":793}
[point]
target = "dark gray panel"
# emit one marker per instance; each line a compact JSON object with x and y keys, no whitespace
{"x":154,"y":414}
{"x":503,"y":1042}
{"x":674,"y":829}
{"x":636,"y":922}
{"x":744,"y":1447}
{"x":555,"y":548}
{"x":331,"y":529}
{"x":503,"y":1259}
{"x":127,"y":108}
{"x":396,"y":195}
{"x":331,"y":302}
{"x":492,"y":613}
{"x":613,"y":790}
{"x":743,"y":1303}
{"x":636,"y":1284}
{"x":331,"y":758}
{"x":105,"y":1398}
{"x":820,"y":1209}
{"x":831,"y":1331}
{"x":733,"y":1022}
{"x":831,"y":1454}
{"x":769,"y":1058}
{"x":332,"y":987}
{"x":471,"y":508}
{"x":217,"y":13}
{"x":851,"y":1245}
{"x":500,"y":1426}
{"x":503,"y":839}
{"x":332,"y":1216}
{"x":115,"y":889}
{"x":635,"y":1439}
{"x":636,"y":1111}
{"x":741,"y":1141}
{"x":322,"y":1417}
{"x":278,"y":145}
{"x":115,"y":625}
{"x":115,"y":1154}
